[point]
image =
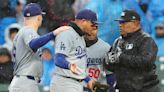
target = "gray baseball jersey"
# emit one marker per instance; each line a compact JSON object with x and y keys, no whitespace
{"x":96,"y":54}
{"x":27,"y":62}
{"x":71,"y":44}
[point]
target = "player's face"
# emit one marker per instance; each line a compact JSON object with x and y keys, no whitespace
{"x":46,"y":54}
{"x":4,"y":58}
{"x":92,"y":35}
{"x":13,"y":35}
{"x":159,"y":31}
{"x":91,"y":27}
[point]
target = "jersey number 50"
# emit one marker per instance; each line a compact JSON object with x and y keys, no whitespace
{"x":94,"y":72}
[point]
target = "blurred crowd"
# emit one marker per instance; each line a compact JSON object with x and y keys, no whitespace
{"x":60,"y":12}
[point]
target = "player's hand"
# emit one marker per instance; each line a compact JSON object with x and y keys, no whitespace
{"x":61,"y":29}
{"x":90,"y":84}
{"x":75,"y":69}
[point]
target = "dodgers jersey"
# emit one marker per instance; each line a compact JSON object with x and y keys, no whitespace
{"x":27,"y":62}
{"x":95,"y":58}
{"x":71,"y":44}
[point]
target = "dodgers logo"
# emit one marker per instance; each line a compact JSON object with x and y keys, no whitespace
{"x":80,"y":52}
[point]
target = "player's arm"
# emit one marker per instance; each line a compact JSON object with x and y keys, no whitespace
{"x":42,"y":40}
{"x":111,"y":79}
{"x":60,"y":61}
{"x":36,"y":43}
{"x":90,"y":82}
{"x":87,"y":79}
{"x":62,"y":47}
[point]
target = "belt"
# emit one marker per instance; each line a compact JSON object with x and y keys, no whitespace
{"x":86,"y":89}
{"x":30,"y":77}
{"x":78,"y":80}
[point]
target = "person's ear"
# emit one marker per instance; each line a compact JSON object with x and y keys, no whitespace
{"x":39,"y":18}
{"x":138,"y":23}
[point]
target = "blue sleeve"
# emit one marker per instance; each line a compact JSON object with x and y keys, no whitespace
{"x":111,"y":79}
{"x":60,"y":61}
{"x":87,"y":79}
{"x":40,"y":41}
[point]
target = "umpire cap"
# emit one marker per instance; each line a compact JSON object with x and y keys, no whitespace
{"x":32,"y":9}
{"x":128,"y":15}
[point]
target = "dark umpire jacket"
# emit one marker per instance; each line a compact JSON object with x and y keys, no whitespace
{"x":135,"y":70}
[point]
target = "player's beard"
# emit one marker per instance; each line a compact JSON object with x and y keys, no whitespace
{"x":90,"y":37}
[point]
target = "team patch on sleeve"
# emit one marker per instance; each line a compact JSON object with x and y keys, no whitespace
{"x":62,"y":46}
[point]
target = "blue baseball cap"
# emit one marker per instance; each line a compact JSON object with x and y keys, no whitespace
{"x":32,"y":9}
{"x":88,"y":15}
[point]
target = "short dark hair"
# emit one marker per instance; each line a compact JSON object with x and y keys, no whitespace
{"x":13,"y":30}
{"x":5,"y":51}
{"x":18,"y":2}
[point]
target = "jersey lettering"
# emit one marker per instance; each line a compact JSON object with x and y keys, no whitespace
{"x":94,"y":61}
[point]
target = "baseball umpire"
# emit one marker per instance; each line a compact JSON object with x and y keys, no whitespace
{"x":27,"y":64}
{"x":132,"y":56}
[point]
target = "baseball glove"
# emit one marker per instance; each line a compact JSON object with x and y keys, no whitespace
{"x":98,"y":87}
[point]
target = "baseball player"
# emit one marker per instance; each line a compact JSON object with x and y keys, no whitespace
{"x":27,"y":64}
{"x":70,"y":58}
{"x":96,"y":51}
